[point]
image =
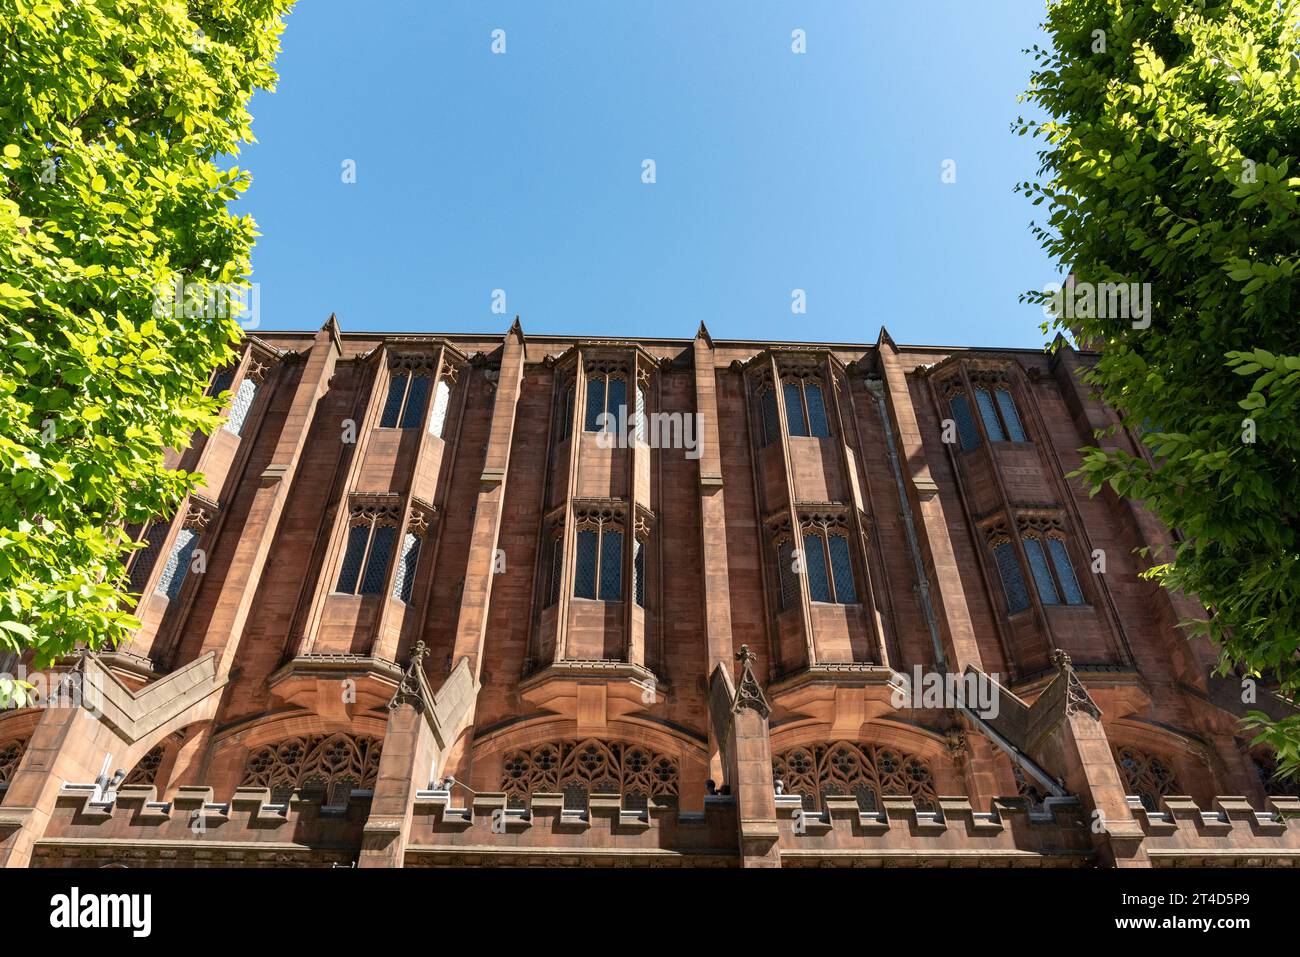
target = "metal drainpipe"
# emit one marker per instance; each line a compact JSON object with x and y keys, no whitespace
{"x":877,"y":388}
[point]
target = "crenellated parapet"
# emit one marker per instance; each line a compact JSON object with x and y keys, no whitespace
{"x":487,"y":830}
{"x":946,"y":832}
{"x":131,"y":826}
{"x":1231,"y":833}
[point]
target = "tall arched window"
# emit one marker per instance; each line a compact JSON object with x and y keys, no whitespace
{"x":785,"y":569}
{"x":371,"y":537}
{"x":240,"y":406}
{"x":408,"y":396}
{"x":771,"y":415}
{"x":404,"y":577}
{"x":828,"y":562}
{"x":555,"y":571}
{"x":1013,"y":582}
{"x":1049,"y":566}
{"x":599,"y":567}
{"x":997,"y":410}
{"x":606,"y":394}
{"x":441,"y":401}
{"x":638,"y":570}
{"x":805,"y":407}
{"x":564,"y":425}
{"x":178,"y":564}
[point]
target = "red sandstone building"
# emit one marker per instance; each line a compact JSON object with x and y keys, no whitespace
{"x":429,"y":609}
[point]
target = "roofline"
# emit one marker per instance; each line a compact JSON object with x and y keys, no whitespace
{"x":683,"y":342}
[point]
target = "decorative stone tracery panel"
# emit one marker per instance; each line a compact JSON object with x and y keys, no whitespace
{"x":1146,"y":775}
{"x":11,"y":752}
{"x":865,"y":771}
{"x":326,"y":767}
{"x":146,"y":770}
{"x":578,"y":769}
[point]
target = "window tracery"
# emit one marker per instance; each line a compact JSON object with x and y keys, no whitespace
{"x":146,"y":769}
{"x":325,"y":767}
{"x":1147,"y":776}
{"x":11,"y":753}
{"x":866,"y":771}
{"x":579,"y":768}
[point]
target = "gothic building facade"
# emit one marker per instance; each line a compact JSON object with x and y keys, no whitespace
{"x":465,"y":600}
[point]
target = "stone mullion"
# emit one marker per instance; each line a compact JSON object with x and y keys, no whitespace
{"x":1013,"y":525}
{"x":633,"y":642}
{"x":168,"y":637}
{"x":770,"y":558}
{"x":471,"y":625}
{"x":991,"y":573}
{"x":858,"y":539}
{"x":542,"y":565}
{"x":1051,"y":463}
{"x":872,"y":542}
{"x":343,"y":508}
{"x":951,"y":614}
{"x":432,"y":543}
{"x":568,"y":529}
{"x":383,"y":647}
{"x":805,"y":595}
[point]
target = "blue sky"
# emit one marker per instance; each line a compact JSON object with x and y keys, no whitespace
{"x":774,"y":171}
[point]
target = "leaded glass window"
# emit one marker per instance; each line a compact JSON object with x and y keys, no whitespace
{"x":966,"y":431}
{"x":788,"y":575}
{"x":369,"y":548}
{"x":1065,"y":571}
{"x":584,"y":581}
{"x":638,"y":571}
{"x":1013,"y":581}
{"x":794,"y":408}
{"x":642,"y":430}
{"x":178,"y":563}
{"x":814,"y":558}
{"x":381,"y":549}
{"x":611,"y":565}
{"x":817,"y":424}
{"x":606,"y":394}
{"x":1042,"y":574}
{"x":417,"y":397}
{"x":397,"y":384}
{"x":240,"y":405}
{"x":404,"y":579}
{"x":595,"y":403}
{"x":557,"y":570}
{"x":842,"y":570}
{"x":1007,"y":406}
{"x":990,"y":416}
{"x":771,"y":417}
{"x":143,"y":559}
{"x":407,"y":399}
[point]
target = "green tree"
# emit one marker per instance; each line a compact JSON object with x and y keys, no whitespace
{"x":1169,"y":142}
{"x":115,"y":116}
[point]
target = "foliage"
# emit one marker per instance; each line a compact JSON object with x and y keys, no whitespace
{"x":114,"y":115}
{"x":1169,"y":158}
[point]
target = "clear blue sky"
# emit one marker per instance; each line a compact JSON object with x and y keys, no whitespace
{"x":775,"y":171}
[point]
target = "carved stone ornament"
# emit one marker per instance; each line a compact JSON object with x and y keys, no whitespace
{"x":1076,"y":695}
{"x":748,"y":693}
{"x":408,"y":690}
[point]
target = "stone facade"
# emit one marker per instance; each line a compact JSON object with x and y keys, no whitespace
{"x":429,"y":608}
